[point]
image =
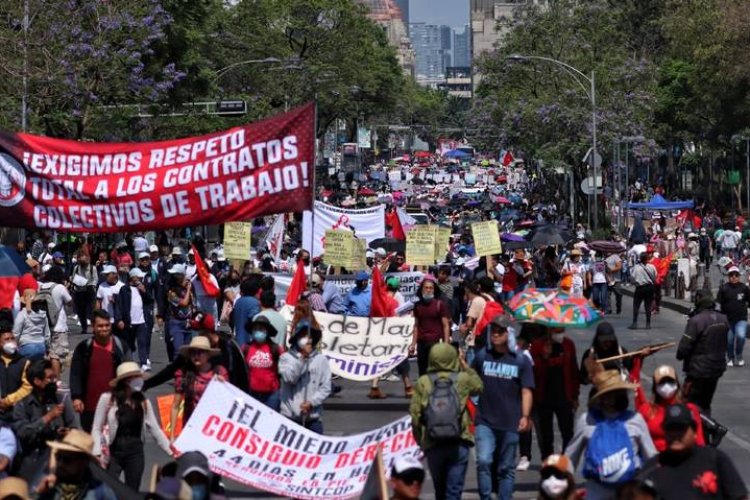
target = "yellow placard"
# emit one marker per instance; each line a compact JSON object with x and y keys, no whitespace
{"x":486,"y":238}
{"x":442,"y":238}
{"x":237,"y":240}
{"x":359,"y":262}
{"x":420,"y":246}
{"x":339,"y":248}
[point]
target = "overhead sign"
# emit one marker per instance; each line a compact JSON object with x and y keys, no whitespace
{"x":250,"y":443}
{"x":241,"y":173}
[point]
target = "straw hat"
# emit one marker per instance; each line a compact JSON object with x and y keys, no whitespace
{"x":128,"y":369}
{"x":14,"y":486}
{"x":76,"y":441}
{"x":608,"y":381}
{"x":199,"y":343}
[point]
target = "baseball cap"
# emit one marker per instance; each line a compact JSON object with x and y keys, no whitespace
{"x":733,"y":269}
{"x":501,"y":320}
{"x":136,"y":273}
{"x":380,"y":251}
{"x":177,"y":269}
{"x":678,"y":415}
{"x":176,"y":251}
{"x":361,"y":276}
{"x":393,"y":282}
{"x":109,"y":269}
{"x":153,"y":248}
{"x":58,"y":255}
{"x":407,"y":467}
{"x":192,"y":461}
{"x":51,"y":245}
{"x":664,"y":371}
{"x":144,"y":255}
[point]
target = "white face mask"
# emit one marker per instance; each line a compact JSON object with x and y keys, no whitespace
{"x":136,"y":383}
{"x":667,"y":390}
{"x":301,"y":343}
{"x":554,"y":487}
{"x":10,"y":348}
{"x":558,"y":337}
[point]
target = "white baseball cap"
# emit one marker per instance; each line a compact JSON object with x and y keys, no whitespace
{"x":176,"y":251}
{"x":733,"y":269}
{"x":136,"y":273}
{"x":177,"y":269}
{"x":153,"y":248}
{"x":405,"y":463}
{"x":144,"y":255}
{"x":109,"y":269}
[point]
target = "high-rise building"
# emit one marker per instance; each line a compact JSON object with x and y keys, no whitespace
{"x":428,"y":47}
{"x":462,"y":47}
{"x":393,"y":16}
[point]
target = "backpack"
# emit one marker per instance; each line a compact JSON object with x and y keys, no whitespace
{"x":442,"y":417}
{"x":610,"y":457}
{"x":53,"y":312}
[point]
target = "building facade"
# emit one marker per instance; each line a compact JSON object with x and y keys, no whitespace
{"x":395,"y":21}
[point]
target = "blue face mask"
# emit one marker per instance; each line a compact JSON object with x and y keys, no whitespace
{"x":260,"y":336}
{"x":200,"y":492}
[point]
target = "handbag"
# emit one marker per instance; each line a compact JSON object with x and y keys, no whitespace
{"x":713,"y":431}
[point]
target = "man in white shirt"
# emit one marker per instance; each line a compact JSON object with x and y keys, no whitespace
{"x":130,"y":318}
{"x":59,"y":345}
{"x":107,"y":292}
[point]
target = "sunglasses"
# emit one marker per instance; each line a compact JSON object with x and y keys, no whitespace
{"x":410,"y":477}
{"x":546,"y":473}
{"x":734,"y":275}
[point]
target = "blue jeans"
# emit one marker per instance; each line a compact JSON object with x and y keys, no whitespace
{"x":736,"y":340}
{"x":33,"y":351}
{"x":448,"y":464}
{"x":600,"y":295}
{"x":179,"y":333}
{"x":143,"y":340}
{"x":506,"y":444}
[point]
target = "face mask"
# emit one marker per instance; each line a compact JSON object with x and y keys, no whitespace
{"x":136,"y":383}
{"x":260,"y":336}
{"x":667,"y":390}
{"x":10,"y":348}
{"x":428,"y":297}
{"x":553,"y":486}
{"x":301,"y":343}
{"x":558,"y":337}
{"x":200,"y":491}
{"x":50,"y":392}
{"x":306,"y":261}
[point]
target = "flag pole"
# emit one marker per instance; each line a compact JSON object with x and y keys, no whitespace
{"x":314,"y":190}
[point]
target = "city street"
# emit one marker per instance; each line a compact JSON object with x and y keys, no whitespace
{"x":351,"y":412}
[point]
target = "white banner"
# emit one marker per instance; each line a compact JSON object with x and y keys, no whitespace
{"x":345,"y":282}
{"x":248,"y":442}
{"x":360,"y":348}
{"x":275,"y":236}
{"x":368,"y":224}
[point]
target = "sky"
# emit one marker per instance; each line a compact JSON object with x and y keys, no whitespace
{"x":453,"y":13}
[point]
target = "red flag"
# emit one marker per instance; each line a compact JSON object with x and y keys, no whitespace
{"x":662,"y":267}
{"x":383,"y":305}
{"x":204,"y":275}
{"x":297,"y":286}
{"x":507,"y":159}
{"x":491,"y":310}
{"x":391,"y":219}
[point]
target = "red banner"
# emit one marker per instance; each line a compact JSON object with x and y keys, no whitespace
{"x":258,"y":169}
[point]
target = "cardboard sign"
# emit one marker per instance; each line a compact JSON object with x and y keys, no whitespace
{"x":237,"y":240}
{"x":442,"y":239}
{"x":486,"y":238}
{"x":420,"y":246}
{"x":339,"y":248}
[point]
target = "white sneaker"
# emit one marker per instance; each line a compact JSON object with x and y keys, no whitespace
{"x":148,"y":363}
{"x":523,"y":464}
{"x":730,"y":363}
{"x":741,"y":362}
{"x":145,"y":368}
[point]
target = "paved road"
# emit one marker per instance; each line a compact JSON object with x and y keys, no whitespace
{"x":351,"y":412}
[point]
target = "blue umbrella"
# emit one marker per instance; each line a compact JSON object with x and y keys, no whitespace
{"x":11,"y":262}
{"x":456,"y":153}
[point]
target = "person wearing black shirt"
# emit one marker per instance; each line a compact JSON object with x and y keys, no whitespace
{"x":686,"y":471}
{"x":734,"y":298}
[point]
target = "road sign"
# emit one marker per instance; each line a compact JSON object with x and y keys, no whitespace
{"x":587,"y":185}
{"x":587,"y":159}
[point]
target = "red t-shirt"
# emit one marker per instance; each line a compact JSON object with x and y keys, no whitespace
{"x":429,"y":318}
{"x":101,"y":371}
{"x":262,"y":368}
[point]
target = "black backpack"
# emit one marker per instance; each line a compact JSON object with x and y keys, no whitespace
{"x":442,"y":417}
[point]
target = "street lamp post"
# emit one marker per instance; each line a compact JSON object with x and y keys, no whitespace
{"x":591,"y":94}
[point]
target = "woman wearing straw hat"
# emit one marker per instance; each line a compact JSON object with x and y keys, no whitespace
{"x":191,"y":382}
{"x":122,"y":417}
{"x":612,"y":440}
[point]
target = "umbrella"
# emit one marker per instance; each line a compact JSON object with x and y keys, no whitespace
{"x":456,"y":153}
{"x":511,"y":237}
{"x":551,"y":307}
{"x":389,"y":244}
{"x":515,"y":245}
{"x":11,"y":262}
{"x":605,"y":246}
{"x":548,"y":235}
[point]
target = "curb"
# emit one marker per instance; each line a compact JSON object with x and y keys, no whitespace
{"x":666,"y":302}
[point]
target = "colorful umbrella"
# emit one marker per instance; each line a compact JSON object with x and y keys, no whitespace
{"x":605,"y":246}
{"x":551,"y":307}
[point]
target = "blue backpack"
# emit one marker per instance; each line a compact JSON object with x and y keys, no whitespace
{"x":610,"y":457}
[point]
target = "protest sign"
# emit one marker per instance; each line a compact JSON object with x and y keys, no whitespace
{"x":237,"y":240}
{"x":359,"y":262}
{"x":486,"y":238}
{"x":420,"y":246}
{"x":360,"y":348}
{"x":248,"y":442}
{"x":368,"y":224}
{"x":244,"y":172}
{"x":345,"y":282}
{"x":339,"y":248}
{"x":442,"y":238}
